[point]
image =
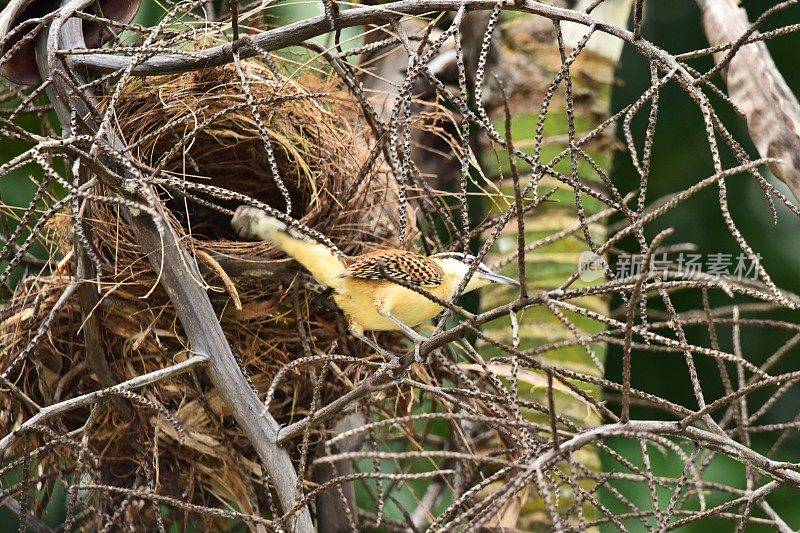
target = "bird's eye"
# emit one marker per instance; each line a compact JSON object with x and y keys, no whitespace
{"x":468,"y":260}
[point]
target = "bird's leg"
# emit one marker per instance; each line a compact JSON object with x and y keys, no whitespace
{"x":359,"y":334}
{"x":412,"y":334}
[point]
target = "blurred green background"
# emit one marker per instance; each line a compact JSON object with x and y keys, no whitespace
{"x":681,"y":158}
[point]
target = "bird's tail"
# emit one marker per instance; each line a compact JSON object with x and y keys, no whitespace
{"x":253,"y":223}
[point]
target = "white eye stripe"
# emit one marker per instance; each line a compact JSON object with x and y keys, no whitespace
{"x":467,"y":259}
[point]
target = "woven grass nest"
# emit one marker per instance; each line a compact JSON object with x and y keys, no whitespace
{"x":199,"y":127}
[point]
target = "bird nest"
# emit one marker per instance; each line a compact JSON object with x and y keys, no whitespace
{"x":199,"y":134}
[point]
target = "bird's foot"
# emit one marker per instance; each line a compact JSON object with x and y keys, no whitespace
{"x":391,"y":357}
{"x":411,"y":333}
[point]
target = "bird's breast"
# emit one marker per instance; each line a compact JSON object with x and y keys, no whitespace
{"x":360,"y":299}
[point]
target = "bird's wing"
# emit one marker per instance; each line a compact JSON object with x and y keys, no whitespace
{"x":397,"y":264}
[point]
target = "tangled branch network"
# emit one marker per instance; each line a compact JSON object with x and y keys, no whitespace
{"x":156,"y":370}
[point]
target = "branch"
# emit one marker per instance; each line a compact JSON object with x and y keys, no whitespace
{"x":46,"y":413}
{"x":376,"y":381}
{"x":784,"y":472}
{"x":296,"y":33}
{"x":757,"y":87}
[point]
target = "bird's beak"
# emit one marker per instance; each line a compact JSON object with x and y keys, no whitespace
{"x":499,"y":278}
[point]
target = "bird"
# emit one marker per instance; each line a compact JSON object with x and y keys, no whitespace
{"x":363,"y":285}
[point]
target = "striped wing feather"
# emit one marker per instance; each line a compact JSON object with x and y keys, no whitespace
{"x":398,"y":264}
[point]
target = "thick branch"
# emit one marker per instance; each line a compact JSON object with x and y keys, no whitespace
{"x":293,"y":34}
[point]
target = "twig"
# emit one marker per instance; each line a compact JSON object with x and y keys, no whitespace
{"x":50,"y":411}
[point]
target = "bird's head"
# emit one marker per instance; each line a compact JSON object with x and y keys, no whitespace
{"x":456,"y":265}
